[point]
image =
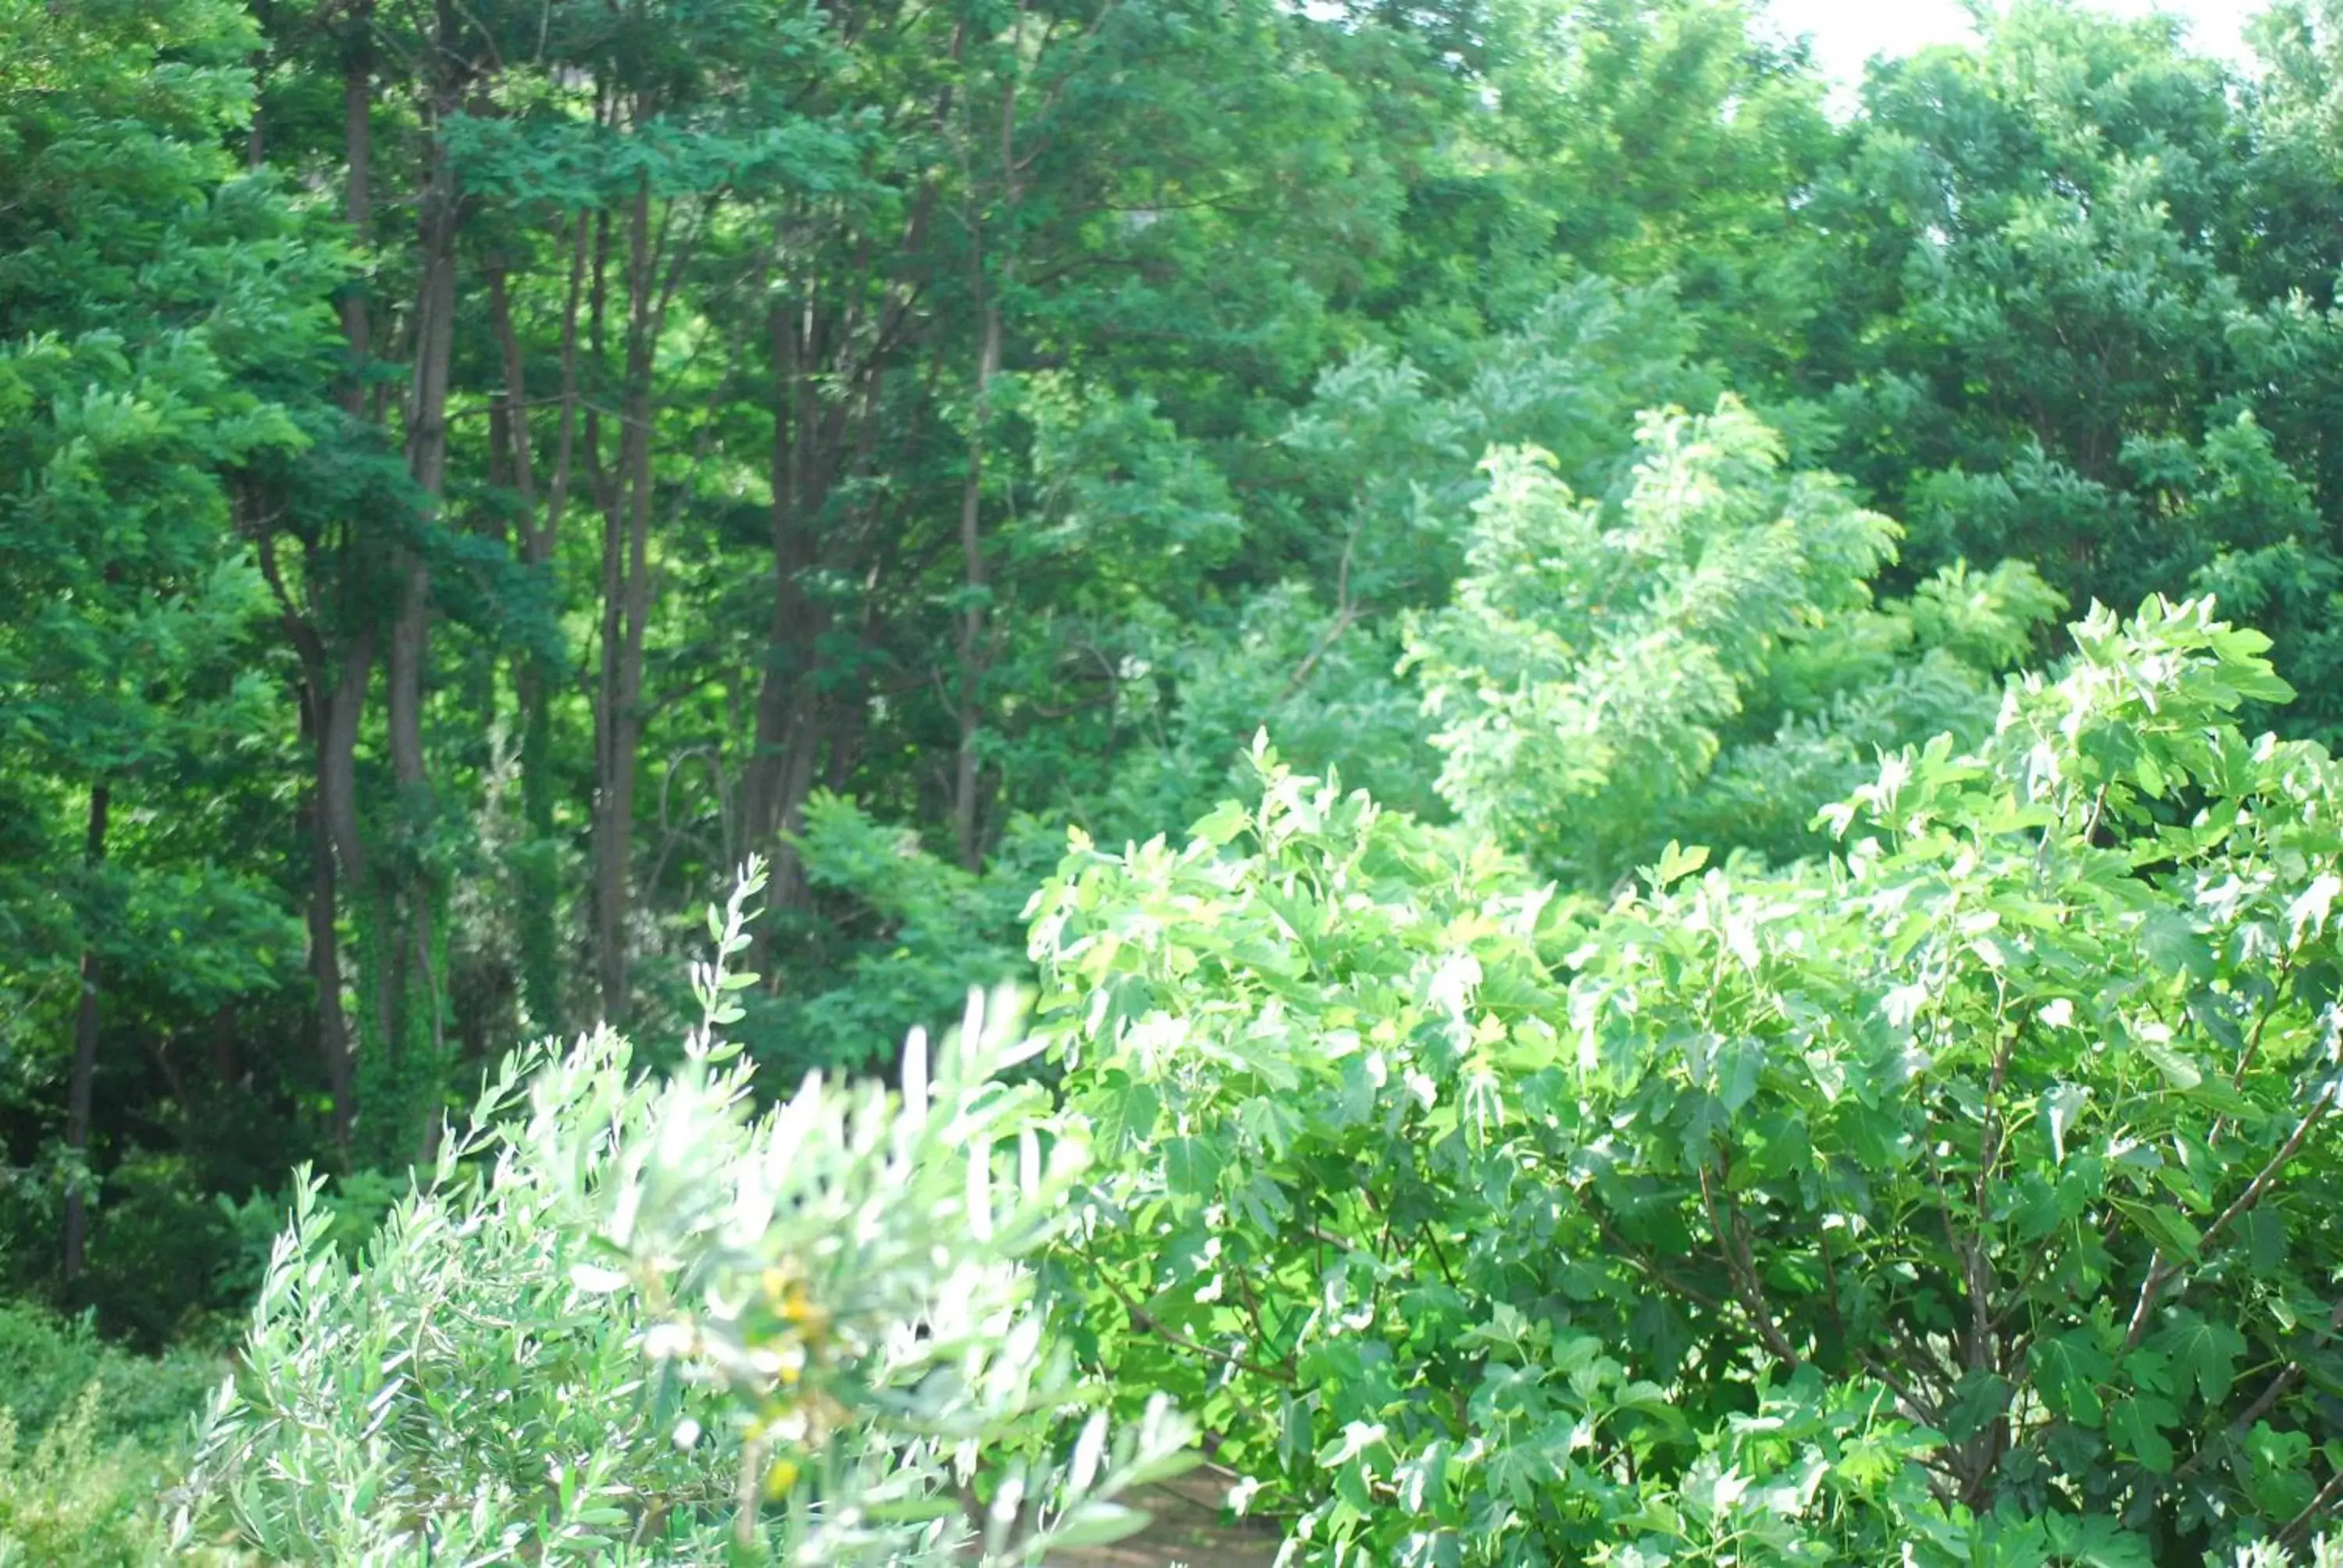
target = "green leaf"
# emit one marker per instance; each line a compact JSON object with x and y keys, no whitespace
{"x":2203,"y":1353}
{"x":1227,"y":822}
{"x":2136,"y":1424}
{"x":2178,"y":1071}
{"x":1357,"y":1437}
{"x":2070,"y":1368}
{"x":1097,"y":1523}
{"x":2264,"y":1228}
{"x":1191,"y":1166}
{"x":2172,"y":943}
{"x":2061,"y":1105}
{"x":1677,"y":863}
{"x":2165,"y":1226}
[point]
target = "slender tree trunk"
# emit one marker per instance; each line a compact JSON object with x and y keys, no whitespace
{"x":781,"y":772}
{"x":521,"y":455}
{"x":337,"y":702}
{"x":565,"y":446}
{"x":968,"y":822}
{"x":415,"y":958}
{"x":533,"y":678}
{"x":613,"y":812}
{"x":626,"y":614}
{"x":344,"y":702}
{"x":337,"y":778}
{"x":326,"y":972}
{"x":329,"y":808}
{"x":340,"y":703}
{"x":256,"y":136}
{"x":81,"y":1088}
{"x":426,"y":460}
{"x":357,"y":128}
{"x":968,"y":772}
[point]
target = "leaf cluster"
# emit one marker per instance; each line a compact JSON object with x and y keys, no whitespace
{"x":1953,"y":1195}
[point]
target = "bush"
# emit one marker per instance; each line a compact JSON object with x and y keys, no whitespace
{"x":350,"y":1210}
{"x":627,"y":1318}
{"x":154,"y":1255}
{"x":893,"y":938}
{"x":1965,"y":1198}
{"x":48,"y":1365}
{"x":89,"y":1435}
{"x":69,"y":1502}
{"x":1704,"y":656}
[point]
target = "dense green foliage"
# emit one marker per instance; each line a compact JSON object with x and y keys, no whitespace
{"x":1646,"y":974}
{"x":1962,"y":1194}
{"x":475,"y":1385}
{"x":86,"y":1431}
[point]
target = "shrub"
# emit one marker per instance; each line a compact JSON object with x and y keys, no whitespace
{"x":69,"y":1502}
{"x":1702,"y":656}
{"x":893,"y":937}
{"x":89,"y":1434}
{"x":627,"y":1318}
{"x":350,"y":1211}
{"x":154,"y":1254}
{"x":1964,"y":1198}
{"x":49,"y":1363}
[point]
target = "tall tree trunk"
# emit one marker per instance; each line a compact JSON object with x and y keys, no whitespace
{"x":533,"y":677}
{"x":822,"y":433}
{"x":337,"y":701}
{"x":337,"y":769}
{"x":329,"y":722}
{"x":968,"y":822}
{"x":326,"y":972}
{"x":968,"y":773}
{"x":256,"y":136}
{"x":427,"y":458}
{"x":331,"y":706}
{"x":81,"y":1087}
{"x":626,"y":614}
{"x":520,"y":456}
{"x":415,"y":959}
{"x":782,"y":770}
{"x":357,"y":129}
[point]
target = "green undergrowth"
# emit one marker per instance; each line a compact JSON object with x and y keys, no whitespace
{"x":91,"y":1436}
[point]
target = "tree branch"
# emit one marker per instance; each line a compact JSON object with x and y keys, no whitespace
{"x":2161,"y":1269}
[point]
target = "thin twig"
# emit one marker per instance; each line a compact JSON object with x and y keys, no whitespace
{"x":2161,"y":1270}
{"x":2312,"y":1511}
{"x":1161,"y":1330}
{"x":1738,"y":1265}
{"x":1346,"y":614}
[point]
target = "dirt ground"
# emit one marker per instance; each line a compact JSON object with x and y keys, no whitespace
{"x":1187,"y":1530}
